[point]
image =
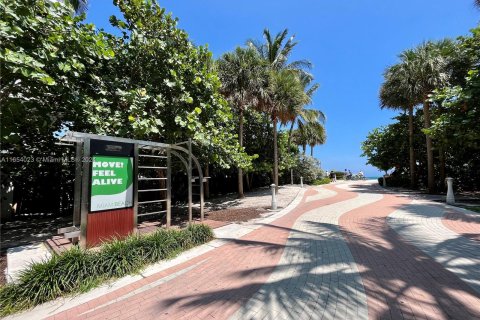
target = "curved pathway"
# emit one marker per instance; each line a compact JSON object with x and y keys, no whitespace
{"x":316,"y":274}
{"x":215,"y":284}
{"x":420,"y":223}
{"x":400,"y":280}
{"x":346,"y":251}
{"x":466,"y":224}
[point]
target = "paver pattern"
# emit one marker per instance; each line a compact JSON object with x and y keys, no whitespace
{"x":316,"y":274}
{"x":400,"y":280}
{"x":420,"y":223}
{"x":216,"y":288}
{"x":346,"y":251}
{"x":466,"y":224}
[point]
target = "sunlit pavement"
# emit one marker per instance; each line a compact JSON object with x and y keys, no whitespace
{"x":347,"y":251}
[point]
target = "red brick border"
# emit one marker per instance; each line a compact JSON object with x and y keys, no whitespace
{"x":465,"y":225}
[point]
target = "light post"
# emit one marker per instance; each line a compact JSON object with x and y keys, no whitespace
{"x":274,"y":197}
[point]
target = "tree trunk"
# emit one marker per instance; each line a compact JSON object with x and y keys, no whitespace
{"x":413,"y":180}
{"x":431,"y":173}
{"x":290,"y":133}
{"x":311,"y":150}
{"x":240,"y":140}
{"x":304,"y":147}
{"x":275,"y":154}
{"x":206,"y":173}
{"x":441,"y":158}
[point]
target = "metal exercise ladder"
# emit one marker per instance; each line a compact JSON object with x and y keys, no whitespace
{"x":149,"y":163}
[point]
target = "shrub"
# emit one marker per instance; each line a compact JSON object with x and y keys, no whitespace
{"x":77,"y":270}
{"x":340,"y":174}
{"x":395,"y":181}
{"x":321,"y":181}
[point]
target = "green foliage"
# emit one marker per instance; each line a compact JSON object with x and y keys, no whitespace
{"x":311,"y":134}
{"x":378,"y":149}
{"x":59,"y":73}
{"x":49,"y":63}
{"x":78,"y":270}
{"x":308,"y":168}
{"x":258,"y":135}
{"x":387,"y":147}
{"x":458,"y":113}
{"x":152,"y":83}
{"x":395,"y":180}
{"x":445,"y":75}
{"x":243,"y":74}
{"x":161,"y":87}
{"x":339,"y":174}
{"x":318,"y":182}
{"x":289,"y":155}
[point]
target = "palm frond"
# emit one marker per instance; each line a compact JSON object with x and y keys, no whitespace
{"x":80,"y":6}
{"x":300,"y":64}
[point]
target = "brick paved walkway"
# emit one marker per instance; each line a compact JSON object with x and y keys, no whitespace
{"x":401,"y":281}
{"x":316,"y":274}
{"x":420,"y":224}
{"x":466,"y":224}
{"x":346,"y":251}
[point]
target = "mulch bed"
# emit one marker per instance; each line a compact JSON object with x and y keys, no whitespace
{"x":3,"y":267}
{"x":235,"y":215}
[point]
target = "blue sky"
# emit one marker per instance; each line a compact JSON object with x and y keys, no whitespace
{"x":350,"y":42}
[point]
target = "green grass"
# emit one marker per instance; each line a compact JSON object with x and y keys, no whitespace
{"x":321,"y":181}
{"x":78,"y":270}
{"x":474,"y":208}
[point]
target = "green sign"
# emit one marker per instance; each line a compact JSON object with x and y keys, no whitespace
{"x":111,"y":183}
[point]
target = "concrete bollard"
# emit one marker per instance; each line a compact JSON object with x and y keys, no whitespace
{"x":301,"y":182}
{"x":450,"y":195}
{"x":274,"y":197}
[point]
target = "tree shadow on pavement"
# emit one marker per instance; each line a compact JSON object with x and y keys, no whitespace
{"x":317,"y":278}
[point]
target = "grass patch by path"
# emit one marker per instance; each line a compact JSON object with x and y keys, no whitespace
{"x":77,"y":270}
{"x":471,"y":208}
{"x":321,"y":181}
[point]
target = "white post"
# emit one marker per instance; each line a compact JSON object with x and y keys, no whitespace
{"x":301,"y":182}
{"x":384,"y":182}
{"x":450,"y":196}
{"x":274,"y":198}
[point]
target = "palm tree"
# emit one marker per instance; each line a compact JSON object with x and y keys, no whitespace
{"x":315,"y":135}
{"x":428,"y":66}
{"x":276,"y":51}
{"x":300,"y":139}
{"x":242,"y":76}
{"x":283,"y":92}
{"x":311,"y":134}
{"x":301,"y":115}
{"x":399,"y":92}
